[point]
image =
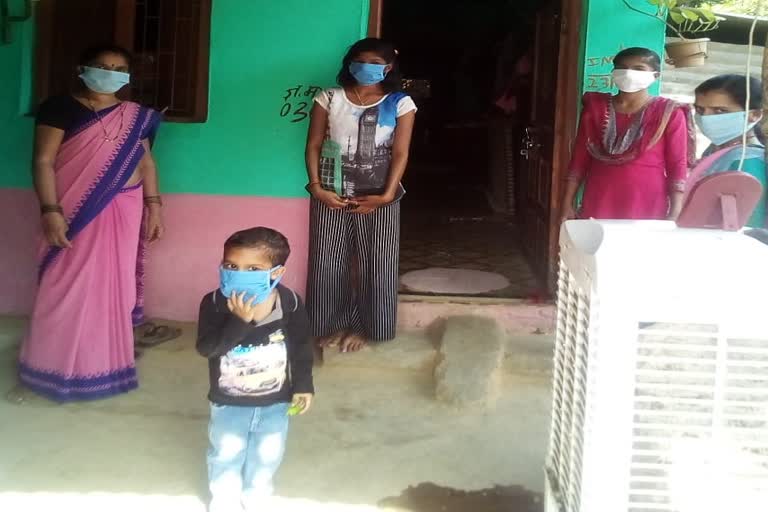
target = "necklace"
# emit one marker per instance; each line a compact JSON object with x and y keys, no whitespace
{"x":359,"y":98}
{"x":107,"y":137}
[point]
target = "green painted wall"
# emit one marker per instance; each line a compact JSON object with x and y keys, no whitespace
{"x":259,"y":50}
{"x":15,"y":102}
{"x":611,"y":27}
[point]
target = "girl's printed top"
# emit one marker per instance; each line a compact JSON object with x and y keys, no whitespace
{"x":357,"y":151}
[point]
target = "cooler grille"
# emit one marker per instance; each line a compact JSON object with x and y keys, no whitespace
{"x":564,"y":463}
{"x":701,"y":400}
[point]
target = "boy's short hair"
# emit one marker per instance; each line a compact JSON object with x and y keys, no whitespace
{"x":271,"y":241}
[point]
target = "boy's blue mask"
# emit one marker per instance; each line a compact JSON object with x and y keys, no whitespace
{"x":368,"y":74}
{"x":256,"y":284}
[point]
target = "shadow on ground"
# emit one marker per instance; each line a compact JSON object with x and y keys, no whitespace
{"x":429,"y":497}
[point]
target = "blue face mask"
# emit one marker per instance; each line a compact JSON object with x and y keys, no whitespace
{"x":104,"y":81}
{"x":368,"y":74}
{"x":257,"y":284}
{"x":722,"y":128}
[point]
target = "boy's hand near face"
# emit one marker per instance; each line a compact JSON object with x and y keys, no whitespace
{"x":249,"y":312}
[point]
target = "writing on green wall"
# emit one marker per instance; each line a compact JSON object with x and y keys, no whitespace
{"x":266,"y":62}
{"x":267,"y":59}
{"x":612,"y":27}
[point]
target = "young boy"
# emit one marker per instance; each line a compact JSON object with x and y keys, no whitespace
{"x":256,"y":337}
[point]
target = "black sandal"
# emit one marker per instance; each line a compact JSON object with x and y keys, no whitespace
{"x":156,"y":335}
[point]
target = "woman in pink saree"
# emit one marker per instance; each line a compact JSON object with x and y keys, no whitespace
{"x":94,"y":174}
{"x":633,"y":150}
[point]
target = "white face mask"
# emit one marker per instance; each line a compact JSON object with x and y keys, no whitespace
{"x":632,"y":80}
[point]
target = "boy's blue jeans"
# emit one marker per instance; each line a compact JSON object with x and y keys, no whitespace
{"x":246,"y":446}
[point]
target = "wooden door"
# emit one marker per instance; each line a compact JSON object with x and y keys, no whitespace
{"x":546,"y":138}
{"x":537,"y":147}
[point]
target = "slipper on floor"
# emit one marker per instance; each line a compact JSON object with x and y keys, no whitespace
{"x":140,"y":331}
{"x":157,"y":335}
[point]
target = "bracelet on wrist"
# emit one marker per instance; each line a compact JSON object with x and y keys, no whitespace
{"x":51,"y":208}
{"x":311,"y":184}
{"x":153,"y":200}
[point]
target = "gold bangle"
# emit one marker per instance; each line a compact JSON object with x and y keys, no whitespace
{"x":51,"y":208}
{"x":153,"y":200}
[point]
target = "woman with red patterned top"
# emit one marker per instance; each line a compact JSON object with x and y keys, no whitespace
{"x":633,"y":150}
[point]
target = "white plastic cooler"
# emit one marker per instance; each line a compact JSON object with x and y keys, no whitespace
{"x":661,"y":371}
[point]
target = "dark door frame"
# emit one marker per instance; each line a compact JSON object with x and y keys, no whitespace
{"x":566,"y":111}
{"x":375,"y":15}
{"x":566,"y":118}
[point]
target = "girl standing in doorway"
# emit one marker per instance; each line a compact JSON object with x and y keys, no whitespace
{"x":632,"y":150}
{"x":356,"y":155}
{"x":722,"y":114}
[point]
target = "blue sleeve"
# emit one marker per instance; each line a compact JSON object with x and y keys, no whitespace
{"x":150,"y":131}
{"x":755,"y":167}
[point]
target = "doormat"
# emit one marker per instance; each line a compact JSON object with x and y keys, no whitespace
{"x":453,"y":281}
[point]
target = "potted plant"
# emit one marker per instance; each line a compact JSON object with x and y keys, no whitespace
{"x":684,"y":18}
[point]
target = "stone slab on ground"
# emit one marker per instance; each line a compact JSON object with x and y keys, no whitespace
{"x":470,"y":361}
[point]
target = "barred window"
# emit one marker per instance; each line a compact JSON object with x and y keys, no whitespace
{"x":169,"y":39}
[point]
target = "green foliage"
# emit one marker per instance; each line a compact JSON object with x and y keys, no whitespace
{"x":686,"y":16}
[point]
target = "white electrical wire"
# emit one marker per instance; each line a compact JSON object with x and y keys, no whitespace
{"x":745,"y":135}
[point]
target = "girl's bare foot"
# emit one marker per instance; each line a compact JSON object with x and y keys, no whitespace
{"x":353,"y":342}
{"x":329,"y":341}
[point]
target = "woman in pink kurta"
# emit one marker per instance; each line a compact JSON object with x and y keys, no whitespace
{"x":632,"y":151}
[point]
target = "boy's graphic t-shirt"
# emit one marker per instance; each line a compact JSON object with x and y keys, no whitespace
{"x":357,"y":151}
{"x":256,"y":364}
{"x":255,"y":370}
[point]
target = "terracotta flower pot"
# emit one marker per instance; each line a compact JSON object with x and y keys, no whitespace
{"x":686,"y":53}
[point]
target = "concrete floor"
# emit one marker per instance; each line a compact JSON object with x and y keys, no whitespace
{"x":374,"y":431}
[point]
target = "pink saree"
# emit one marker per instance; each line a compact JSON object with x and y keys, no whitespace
{"x":80,"y":340}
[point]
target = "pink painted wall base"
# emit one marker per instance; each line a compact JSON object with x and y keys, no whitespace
{"x":181,"y":268}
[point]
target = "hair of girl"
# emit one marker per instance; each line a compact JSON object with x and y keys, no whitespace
{"x":650,"y":57}
{"x":735,"y":86}
{"x":392,"y":82}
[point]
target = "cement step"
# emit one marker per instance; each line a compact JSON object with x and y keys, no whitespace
{"x":516,"y":317}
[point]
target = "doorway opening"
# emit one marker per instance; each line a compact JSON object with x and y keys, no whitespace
{"x":477,"y":215}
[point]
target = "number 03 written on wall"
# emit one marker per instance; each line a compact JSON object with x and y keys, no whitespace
{"x":297,"y":102}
